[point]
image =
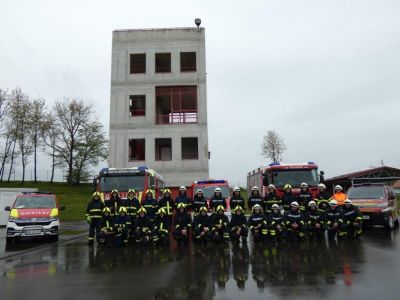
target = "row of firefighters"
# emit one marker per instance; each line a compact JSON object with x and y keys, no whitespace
{"x":272,"y":217}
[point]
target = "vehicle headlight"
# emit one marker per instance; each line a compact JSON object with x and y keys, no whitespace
{"x":382,"y":205}
{"x":53,"y":219}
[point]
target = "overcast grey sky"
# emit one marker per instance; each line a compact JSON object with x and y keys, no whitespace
{"x":323,"y":74}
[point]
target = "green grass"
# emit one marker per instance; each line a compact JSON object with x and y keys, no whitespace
{"x":74,"y":198}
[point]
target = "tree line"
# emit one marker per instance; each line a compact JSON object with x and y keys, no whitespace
{"x":67,"y":131}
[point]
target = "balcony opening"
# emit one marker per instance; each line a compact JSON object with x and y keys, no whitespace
{"x":190,"y":148}
{"x":188,"y":61}
{"x":137,"y":105}
{"x":163,"y":149}
{"x":163,"y":62}
{"x":176,"y":105}
{"x":137,"y":149}
{"x":138,"y":63}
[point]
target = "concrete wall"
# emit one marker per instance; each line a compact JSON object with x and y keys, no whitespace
{"x":123,"y":84}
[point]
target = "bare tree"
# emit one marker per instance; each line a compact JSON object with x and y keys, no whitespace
{"x":92,"y":148}
{"x":37,"y":121}
{"x":3,"y":106}
{"x":71,"y":116}
{"x":50,"y":134}
{"x":273,"y":146}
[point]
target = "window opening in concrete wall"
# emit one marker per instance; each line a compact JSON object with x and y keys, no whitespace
{"x":190,"y":148}
{"x":188,"y":61}
{"x":163,"y":149}
{"x":137,"y":149}
{"x":137,"y":105}
{"x":176,"y":105}
{"x":138,"y":63}
{"x":163,"y":62}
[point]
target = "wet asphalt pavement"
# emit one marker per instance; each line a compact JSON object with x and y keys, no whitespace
{"x":365,"y":269}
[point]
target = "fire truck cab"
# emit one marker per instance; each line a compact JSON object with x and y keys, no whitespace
{"x":208,"y":187}
{"x":123,"y":179}
{"x":280,"y":174}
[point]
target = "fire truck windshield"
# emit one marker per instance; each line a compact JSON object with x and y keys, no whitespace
{"x":122,"y":183}
{"x":295,"y":177}
{"x":208,"y":191}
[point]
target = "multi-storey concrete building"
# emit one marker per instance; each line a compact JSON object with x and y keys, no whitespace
{"x":158,"y":108}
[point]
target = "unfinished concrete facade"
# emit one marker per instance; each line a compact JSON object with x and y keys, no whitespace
{"x":158,"y":107}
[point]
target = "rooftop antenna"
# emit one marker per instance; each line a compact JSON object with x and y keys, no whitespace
{"x":197,"y":21}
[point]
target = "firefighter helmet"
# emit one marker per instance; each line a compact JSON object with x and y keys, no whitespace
{"x":181,"y":205}
{"x":304,"y":185}
{"x":167,"y":191}
{"x":254,"y":188}
{"x":338,"y":187}
{"x":114,"y":191}
{"x":131,"y":191}
{"x":122,"y":210}
{"x":150,"y":191}
{"x":199,"y":191}
{"x":238,"y":207}
{"x":321,"y":185}
{"x":96,"y":194}
{"x":275,"y":206}
{"x":203,"y":208}
{"x":271,"y":186}
{"x":182,"y":188}
{"x":257,"y":206}
{"x":312,"y":203}
{"x":347,"y":201}
{"x":236,"y":189}
{"x":142,"y":210}
{"x":220,"y":207}
{"x":161,"y":211}
{"x":217,"y":190}
{"x":333,"y":202}
{"x":287,"y":186}
{"x":106,"y":210}
{"x":294,"y":204}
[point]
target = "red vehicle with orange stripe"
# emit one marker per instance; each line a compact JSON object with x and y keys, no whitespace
{"x":123,"y":179}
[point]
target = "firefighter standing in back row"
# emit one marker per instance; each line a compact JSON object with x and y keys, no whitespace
{"x":131,"y":203}
{"x":150,"y":204}
{"x":322,"y":198}
{"x":183,"y":198}
{"x":217,"y":199}
{"x":199,"y":201}
{"x":94,"y":213}
{"x":271,"y":198}
{"x":304,"y":197}
{"x":339,"y":195}
{"x":288,"y":197}
{"x":255,"y":198}
{"x":236,"y":199}
{"x":167,"y":203}
{"x":114,"y":203}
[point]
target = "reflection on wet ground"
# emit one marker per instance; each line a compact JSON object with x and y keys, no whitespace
{"x":313,"y":270}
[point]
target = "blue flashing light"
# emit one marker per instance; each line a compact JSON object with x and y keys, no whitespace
{"x":143,"y":168}
{"x":274,"y":164}
{"x":210,"y":181}
{"x":311,"y":163}
{"x":104,"y":170}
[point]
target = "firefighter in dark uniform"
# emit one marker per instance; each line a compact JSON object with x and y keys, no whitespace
{"x":217,"y":199}
{"x":236,"y":199}
{"x":288,"y":197}
{"x":199,"y":201}
{"x":183,"y":198}
{"x":150,"y":204}
{"x":143,"y":228}
{"x":352,"y":221}
{"x":106,"y":235}
{"x":123,"y":226}
{"x":294,"y":222}
{"x":167,"y":203}
{"x":258,"y":224}
{"x":315,"y":224}
{"x":333,"y":219}
{"x":271,"y":198}
{"x":131,"y":203}
{"x":220,"y":225}
{"x":202,"y":225}
{"x":238,"y":225}
{"x":255,"y":198}
{"x":94,"y":213}
{"x":322,"y":198}
{"x":304,"y":197}
{"x":161,"y":227}
{"x":183,"y":224}
{"x":114,"y":203}
{"x":276,"y":224}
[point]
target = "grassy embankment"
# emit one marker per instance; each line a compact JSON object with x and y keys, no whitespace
{"x":74,"y":198}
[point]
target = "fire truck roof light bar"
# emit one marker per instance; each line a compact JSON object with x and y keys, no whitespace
{"x":210,"y":181}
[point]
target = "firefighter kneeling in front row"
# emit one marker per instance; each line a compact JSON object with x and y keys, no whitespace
{"x":276,"y":225}
{"x":183,"y":224}
{"x":294,"y":222}
{"x":202,"y":226}
{"x":333,"y":218}
{"x":106,"y":235}
{"x":258,"y":224}
{"x":143,"y":228}
{"x":352,"y":221}
{"x":220,"y":229}
{"x":161,"y":227}
{"x":314,"y":221}
{"x":123,"y":225}
{"x":238,"y":225}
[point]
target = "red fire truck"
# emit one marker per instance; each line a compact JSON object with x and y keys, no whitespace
{"x":280,"y":174}
{"x":208,"y":187}
{"x":122,"y":179}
